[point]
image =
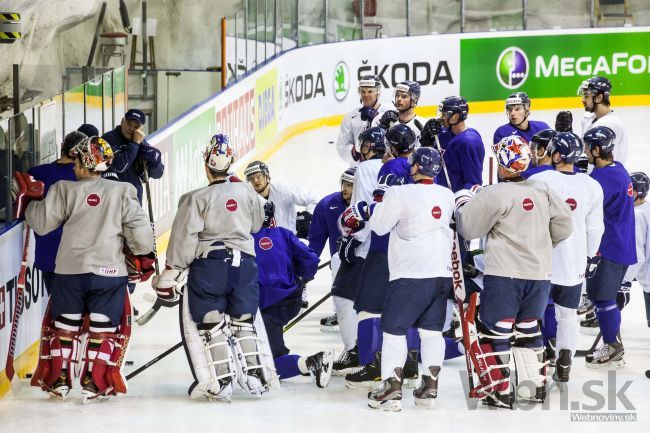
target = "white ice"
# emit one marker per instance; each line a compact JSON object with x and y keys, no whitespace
{"x":157,"y":400}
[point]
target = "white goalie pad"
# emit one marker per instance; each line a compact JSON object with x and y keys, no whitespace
{"x":531,"y":372}
{"x":210,"y":357}
{"x":270,"y":374}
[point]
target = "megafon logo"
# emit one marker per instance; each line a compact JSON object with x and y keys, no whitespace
{"x":512,"y":67}
{"x":341,"y":81}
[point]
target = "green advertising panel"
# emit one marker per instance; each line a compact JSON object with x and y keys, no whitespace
{"x":554,"y":66}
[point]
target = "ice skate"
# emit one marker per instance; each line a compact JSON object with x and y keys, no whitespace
{"x":585,"y":306}
{"x":90,"y":391}
{"x":563,"y":366}
{"x":367,"y":376}
{"x":590,"y":326}
{"x":388,"y":395}
{"x":330,"y":324}
{"x":347,"y":362}
{"x":411,"y":377}
{"x":61,"y":386}
{"x":426,"y":394}
{"x":610,"y":355}
{"x":320,"y":367}
{"x":549,"y":353}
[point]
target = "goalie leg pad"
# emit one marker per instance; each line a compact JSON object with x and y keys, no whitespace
{"x":248,"y":357}
{"x":207,"y":346}
{"x":528,"y":353}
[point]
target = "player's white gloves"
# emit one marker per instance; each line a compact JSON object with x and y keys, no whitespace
{"x":385,"y":182}
{"x":165,"y":285}
{"x":464,"y":195}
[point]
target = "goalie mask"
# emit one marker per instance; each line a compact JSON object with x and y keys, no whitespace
{"x":94,"y":153}
{"x":512,"y":153}
{"x":219,"y":154}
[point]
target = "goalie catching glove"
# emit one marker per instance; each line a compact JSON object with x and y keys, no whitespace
{"x":140,"y":268}
{"x":25,"y":189}
{"x":165,"y":285}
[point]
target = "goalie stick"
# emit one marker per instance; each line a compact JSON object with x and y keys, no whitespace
{"x":18,"y":311}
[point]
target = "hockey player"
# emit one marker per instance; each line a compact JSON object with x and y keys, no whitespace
{"x":324,"y":229}
{"x":617,"y":251}
{"x":353,"y":248}
{"x":132,"y":152}
{"x":641,"y":270}
{"x":61,"y":169}
{"x":585,"y":199}
{"x":211,"y":238}
{"x":373,"y":282}
{"x":463,"y":150}
{"x":405,"y":99}
{"x":595,"y":97}
{"x":359,"y":119}
{"x":283,"y":263}
{"x":87,"y":278}
{"x":517,"y":274}
{"x":416,"y":216}
{"x":518,"y":110}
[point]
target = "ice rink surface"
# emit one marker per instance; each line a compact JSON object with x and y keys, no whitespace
{"x":157,"y":400}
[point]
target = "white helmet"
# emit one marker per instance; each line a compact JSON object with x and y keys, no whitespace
{"x":219,"y":153}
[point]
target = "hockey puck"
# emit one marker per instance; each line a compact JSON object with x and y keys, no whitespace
{"x":647,"y":374}
{"x":128,"y":363}
{"x":29,"y":375}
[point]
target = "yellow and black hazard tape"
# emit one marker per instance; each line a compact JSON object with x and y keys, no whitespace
{"x":10,"y":35}
{"x":9,"y":16}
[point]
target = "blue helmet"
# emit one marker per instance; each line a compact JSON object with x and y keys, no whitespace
{"x":542,"y":139}
{"x":601,"y":136}
{"x":454,"y":104}
{"x":401,"y":138}
{"x":375,"y":138}
{"x":597,"y":85}
{"x":428,"y":159}
{"x":640,"y":183}
{"x":518,"y":98}
{"x":568,"y":145}
{"x":412,"y":88}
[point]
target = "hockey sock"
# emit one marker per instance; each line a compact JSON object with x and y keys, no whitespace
{"x":646,"y":297}
{"x":567,"y":328}
{"x":413,"y":339}
{"x":609,"y":319}
{"x":347,"y":321}
{"x":453,"y":349}
{"x":289,"y":366}
{"x":549,"y":330}
{"x":432,"y":348}
{"x":393,"y":354}
{"x":369,"y":338}
{"x":67,"y":322}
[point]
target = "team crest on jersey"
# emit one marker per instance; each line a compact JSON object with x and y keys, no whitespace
{"x":572,"y":203}
{"x":93,"y":200}
{"x":436,"y":212}
{"x":231,"y":205}
{"x":265,"y":243}
{"x":528,"y":204}
{"x":630,"y":190}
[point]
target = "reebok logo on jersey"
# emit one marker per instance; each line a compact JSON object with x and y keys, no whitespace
{"x":265,"y":243}
{"x":436,"y":212}
{"x":630,"y":190}
{"x":231,"y":205}
{"x":528,"y":204}
{"x":572,"y":204}
{"x":93,"y":200}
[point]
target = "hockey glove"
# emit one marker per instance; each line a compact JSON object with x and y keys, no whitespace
{"x":303,"y":221}
{"x":233,"y":178}
{"x":385,"y":182}
{"x":432,"y":128}
{"x":24,"y":189}
{"x":623,"y":295}
{"x":388,"y":118}
{"x":464,"y":195}
{"x":165,"y":285}
{"x":354,"y":217}
{"x":140,"y":268}
{"x":592,"y":265}
{"x":368,"y":113}
{"x":583,"y":163}
{"x":347,"y":247}
{"x":148,"y":153}
{"x":564,"y":122}
{"x":356,"y":155}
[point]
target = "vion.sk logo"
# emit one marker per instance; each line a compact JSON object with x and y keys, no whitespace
{"x":512,"y":67}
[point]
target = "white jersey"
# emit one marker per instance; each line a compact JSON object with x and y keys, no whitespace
{"x":286,"y":197}
{"x":641,"y":270}
{"x":351,"y":127}
{"x":365,"y":182}
{"x":585,"y":197}
{"x":416,"y":123}
{"x":417,"y":216}
{"x":613,"y":122}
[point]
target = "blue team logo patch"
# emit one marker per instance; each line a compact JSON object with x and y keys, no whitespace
{"x":265,"y":243}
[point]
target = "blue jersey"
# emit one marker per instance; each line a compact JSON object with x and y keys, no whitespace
{"x":534,"y":127}
{"x":463,"y":155}
{"x":535,"y":169}
{"x":281,"y":258}
{"x":618,"y":243}
{"x":48,"y":245}
{"x":126,"y":163}
{"x":400,"y":168}
{"x":323,"y":223}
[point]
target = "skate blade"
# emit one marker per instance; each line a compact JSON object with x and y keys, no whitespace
{"x":88,"y":397}
{"x":609,"y":365}
{"x":330,"y":329}
{"x":344,"y":371}
{"x":387,"y":405}
{"x":58,"y":394}
{"x":427,"y":403}
{"x":364,"y":386}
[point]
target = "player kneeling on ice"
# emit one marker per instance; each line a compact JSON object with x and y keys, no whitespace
{"x":211,"y":240}
{"x":284,"y":263}
{"x":517,"y":276}
{"x":417,"y":216}
{"x":90,"y":275}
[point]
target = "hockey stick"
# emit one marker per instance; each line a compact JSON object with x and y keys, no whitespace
{"x":583,"y":353}
{"x":180,"y":343}
{"x":18,"y":311}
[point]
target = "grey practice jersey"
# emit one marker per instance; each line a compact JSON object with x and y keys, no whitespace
{"x":225,"y":212}
{"x":98,"y":215}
